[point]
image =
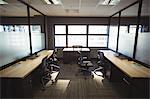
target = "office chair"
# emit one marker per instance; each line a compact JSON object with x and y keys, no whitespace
{"x":100,"y":71}
{"x":45,"y":73}
{"x":53,"y":59}
{"x":84,"y":63}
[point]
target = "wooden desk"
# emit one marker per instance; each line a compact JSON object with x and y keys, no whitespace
{"x":17,"y":80}
{"x":76,"y":49}
{"x":71,"y":54}
{"x":135,"y":75}
{"x":23,"y":68}
{"x":131,"y":68}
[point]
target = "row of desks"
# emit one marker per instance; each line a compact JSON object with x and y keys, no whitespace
{"x":17,"y":80}
{"x":131,"y":68}
{"x":134,"y":76}
{"x":24,"y":68}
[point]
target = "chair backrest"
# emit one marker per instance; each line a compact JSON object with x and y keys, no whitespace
{"x":101,"y":56}
{"x":77,"y":46}
{"x":44,"y":64}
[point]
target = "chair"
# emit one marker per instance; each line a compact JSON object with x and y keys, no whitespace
{"x":84,"y":63}
{"x":53,"y":59}
{"x":45,"y":72}
{"x":100,"y":71}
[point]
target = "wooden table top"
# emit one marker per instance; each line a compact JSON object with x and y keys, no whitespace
{"x":131,"y":68}
{"x":76,"y":49}
{"x":24,"y":68}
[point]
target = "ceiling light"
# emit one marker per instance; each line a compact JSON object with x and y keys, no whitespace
{"x":106,"y":2}
{"x":47,"y":2}
{"x":114,"y":2}
{"x":109,"y":2}
{"x":3,"y":2}
{"x":56,"y":2}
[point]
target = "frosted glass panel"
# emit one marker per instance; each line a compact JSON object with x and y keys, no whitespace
{"x":143,"y":48}
{"x":13,"y":46}
{"x":126,"y":41}
{"x":113,"y":31}
{"x":37,"y":41}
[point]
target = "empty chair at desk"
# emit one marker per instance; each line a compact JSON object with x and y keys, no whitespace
{"x":84,"y":63}
{"x":77,"y":46}
{"x":53,"y":59}
{"x":45,"y":73}
{"x":101,"y":64}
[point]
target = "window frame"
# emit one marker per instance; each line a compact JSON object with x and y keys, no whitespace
{"x":87,"y":34}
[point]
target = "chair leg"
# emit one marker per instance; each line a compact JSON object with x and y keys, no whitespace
{"x":43,"y":85}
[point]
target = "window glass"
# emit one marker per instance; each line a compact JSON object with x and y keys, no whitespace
{"x":76,"y":29}
{"x":60,"y":40}
{"x":97,"y":41}
{"x":76,"y":40}
{"x":113,"y":37}
{"x":60,"y":29}
{"x":95,"y":29}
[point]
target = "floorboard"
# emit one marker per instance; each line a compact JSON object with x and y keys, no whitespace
{"x":71,"y":84}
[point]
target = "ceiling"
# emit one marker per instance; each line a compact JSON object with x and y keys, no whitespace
{"x":80,"y":8}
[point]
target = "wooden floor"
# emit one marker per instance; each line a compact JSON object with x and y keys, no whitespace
{"x":72,"y":84}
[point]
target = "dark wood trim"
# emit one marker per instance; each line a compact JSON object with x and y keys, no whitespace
{"x":118,"y":31}
{"x":138,"y":22}
{"x":28,"y":12}
{"x":66,"y":35}
{"x":87,"y":32}
{"x":45,"y":30}
{"x":108,"y":29}
{"x":54,"y":34}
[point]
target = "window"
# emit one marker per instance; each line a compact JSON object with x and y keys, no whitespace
{"x":77,"y":40}
{"x":60,"y":40}
{"x":76,"y":29}
{"x":96,"y":29}
{"x":132,"y":29}
{"x":77,"y":35}
{"x":69,"y":35}
{"x":60,"y":29}
{"x":97,"y":36}
{"x":97,"y":41}
{"x":60,"y":35}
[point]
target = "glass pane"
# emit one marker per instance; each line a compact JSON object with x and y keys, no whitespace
{"x":37,"y":31}
{"x":77,"y":40}
{"x":143,"y":48}
{"x":60,"y":41}
{"x":94,"y":29}
{"x":77,"y":29}
{"x":97,"y":41}
{"x":126,"y":41}
{"x":113,"y":31}
{"x":127,"y":36}
{"x":14,"y":39}
{"x":60,"y":29}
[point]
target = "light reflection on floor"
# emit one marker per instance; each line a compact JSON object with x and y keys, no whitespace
{"x":62,"y":84}
{"x":97,"y":78}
